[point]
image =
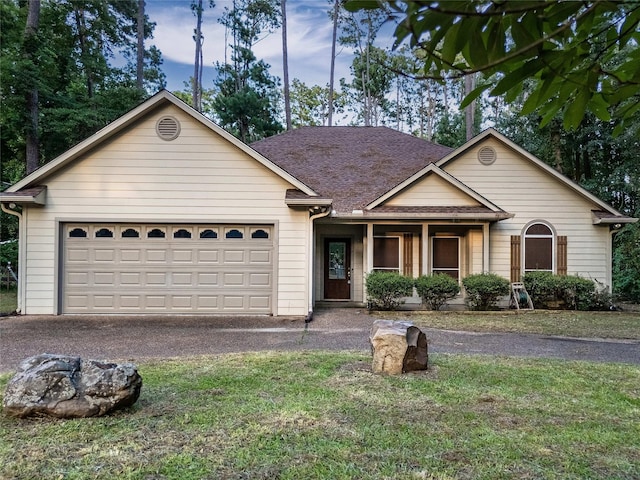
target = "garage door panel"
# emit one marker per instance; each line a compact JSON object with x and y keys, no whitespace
{"x":202,"y":272}
{"x":80,"y":255}
{"x":104,"y":255}
{"x":131,"y":255}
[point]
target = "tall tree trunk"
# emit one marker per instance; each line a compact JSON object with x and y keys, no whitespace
{"x":285,"y":65}
{"x":84,"y":54}
{"x":333,"y":59}
{"x":469,"y":111}
{"x":31,"y":96}
{"x":197,"y":70}
{"x":140,"y":48}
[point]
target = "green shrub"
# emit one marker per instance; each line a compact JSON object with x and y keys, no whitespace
{"x":437,"y":289}
{"x":542,"y":287}
{"x":576,"y":292}
{"x":9,"y":253}
{"x":385,"y":290}
{"x":566,"y":291}
{"x":484,"y":290}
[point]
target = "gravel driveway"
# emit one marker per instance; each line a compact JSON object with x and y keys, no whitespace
{"x":123,"y":338}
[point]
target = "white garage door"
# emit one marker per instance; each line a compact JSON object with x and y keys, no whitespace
{"x":167,"y":268}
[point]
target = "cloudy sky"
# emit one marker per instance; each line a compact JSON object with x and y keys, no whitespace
{"x":309,"y":30}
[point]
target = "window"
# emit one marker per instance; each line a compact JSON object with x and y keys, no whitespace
{"x":155,"y":233}
{"x":78,"y":233}
{"x":260,"y":233}
{"x":104,"y":233}
{"x":538,"y":248}
{"x":130,"y":233}
{"x":182,"y":233}
{"x":386,"y":254}
{"x":446,"y":256}
{"x":234,"y":233}
{"x":208,"y":233}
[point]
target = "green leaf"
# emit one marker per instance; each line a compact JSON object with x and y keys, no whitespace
{"x":355,"y":5}
{"x":526,"y":70}
{"x":574,"y":113}
{"x":475,"y":93}
{"x":599,"y":107}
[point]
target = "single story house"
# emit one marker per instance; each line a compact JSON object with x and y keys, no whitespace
{"x":164,"y":212}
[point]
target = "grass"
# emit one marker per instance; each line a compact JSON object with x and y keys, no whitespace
{"x":615,"y":325}
{"x":321,"y":415}
{"x":8,"y":299}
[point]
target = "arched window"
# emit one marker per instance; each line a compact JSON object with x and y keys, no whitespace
{"x":208,"y":233}
{"x":539,"y":251}
{"x":234,"y":233}
{"x":104,"y":233}
{"x":155,"y":233}
{"x":130,"y":233}
{"x":260,"y":233}
{"x":78,"y":233}
{"x":182,"y":233}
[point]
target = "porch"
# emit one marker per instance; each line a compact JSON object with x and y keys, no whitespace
{"x":346,"y":252}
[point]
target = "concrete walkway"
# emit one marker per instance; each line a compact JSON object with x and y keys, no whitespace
{"x":129,"y":338}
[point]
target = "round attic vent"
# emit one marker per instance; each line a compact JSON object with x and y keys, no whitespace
{"x":168,"y":128}
{"x":486,"y":155}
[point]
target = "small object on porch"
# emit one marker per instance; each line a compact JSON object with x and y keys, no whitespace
{"x":520,"y":298}
{"x":398,"y":347}
{"x":68,"y":387}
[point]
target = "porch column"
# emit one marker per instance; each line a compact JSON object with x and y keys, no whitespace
{"x":486,"y":267}
{"x":368,"y":267}
{"x":424,"y":261}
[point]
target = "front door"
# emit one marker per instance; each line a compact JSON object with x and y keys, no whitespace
{"x":337,"y":269}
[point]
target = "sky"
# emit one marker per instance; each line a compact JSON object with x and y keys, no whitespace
{"x":309,"y":33}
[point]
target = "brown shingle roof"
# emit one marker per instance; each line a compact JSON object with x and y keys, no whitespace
{"x":351,"y":165}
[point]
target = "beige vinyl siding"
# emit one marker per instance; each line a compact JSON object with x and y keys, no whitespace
{"x":520,"y":187}
{"x":197,"y":178}
{"x":432,"y":191}
{"x":474,"y":243}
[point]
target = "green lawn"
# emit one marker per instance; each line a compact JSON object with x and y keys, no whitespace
{"x":620,"y":325}
{"x":8,"y":300}
{"x":324,"y":415}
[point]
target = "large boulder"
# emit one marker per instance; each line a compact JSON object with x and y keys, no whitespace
{"x":398,"y":347}
{"x":69,"y":387}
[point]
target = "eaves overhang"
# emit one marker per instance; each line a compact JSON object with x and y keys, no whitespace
{"x":453,"y":214}
{"x":300,"y":200}
{"x":601,"y":217}
{"x":29,"y":196}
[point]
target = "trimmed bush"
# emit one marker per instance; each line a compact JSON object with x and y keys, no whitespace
{"x":385,"y":290}
{"x":542,"y":288}
{"x":576,"y":292}
{"x":437,"y":289}
{"x":484,"y":290}
{"x":565,"y":291}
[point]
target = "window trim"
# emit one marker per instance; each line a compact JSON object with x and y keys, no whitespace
{"x":442,"y":270}
{"x":554,"y":247}
{"x":399,"y":239}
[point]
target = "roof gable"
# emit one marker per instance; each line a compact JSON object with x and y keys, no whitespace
{"x":533,"y":160}
{"x":427,"y":181}
{"x":161,"y":99}
{"x":352,"y":165}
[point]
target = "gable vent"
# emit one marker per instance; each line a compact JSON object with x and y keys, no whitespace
{"x":168,"y":128}
{"x":486,"y":155}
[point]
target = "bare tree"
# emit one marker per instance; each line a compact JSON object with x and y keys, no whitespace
{"x":196,"y":6}
{"x":140,"y":49}
{"x":285,"y":65}
{"x":333,"y":61}
{"x":31,"y":95}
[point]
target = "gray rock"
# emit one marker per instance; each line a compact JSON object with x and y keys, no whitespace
{"x":69,"y":387}
{"x":398,"y":347}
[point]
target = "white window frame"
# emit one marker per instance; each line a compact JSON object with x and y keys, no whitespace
{"x":459,"y":269}
{"x":553,"y":238}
